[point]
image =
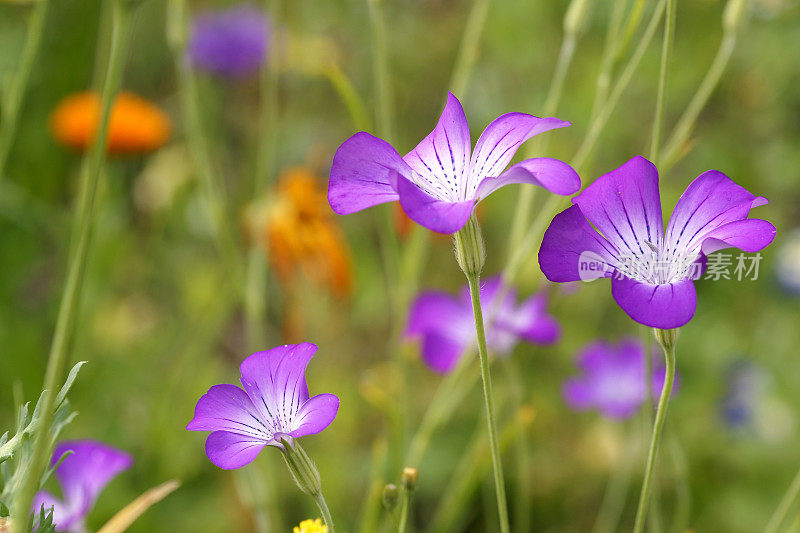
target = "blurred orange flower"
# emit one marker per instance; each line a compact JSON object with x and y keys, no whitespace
{"x":136,"y":125}
{"x":296,"y":227}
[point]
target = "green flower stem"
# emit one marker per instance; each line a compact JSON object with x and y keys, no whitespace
{"x":611,"y":49}
{"x":663,"y":75}
{"x":380,"y":64}
{"x":676,"y":144}
{"x":488,"y":398}
{"x":468,"y":50}
{"x":79,"y":247}
{"x":668,"y":346}
{"x":405,"y":504}
{"x":199,"y":147}
{"x":780,"y":514}
{"x":12,"y":101}
{"x":349,"y":96}
{"x":319,"y":499}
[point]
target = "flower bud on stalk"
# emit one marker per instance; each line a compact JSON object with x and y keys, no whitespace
{"x":667,"y":337}
{"x":301,"y":466}
{"x":409,"y":478}
{"x":470,"y":248}
{"x":391,"y":496}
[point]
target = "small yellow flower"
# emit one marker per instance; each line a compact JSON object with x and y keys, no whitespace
{"x":311,"y":526}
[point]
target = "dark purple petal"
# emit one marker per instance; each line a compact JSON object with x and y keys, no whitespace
{"x":533,"y":324}
{"x":666,"y":306}
{"x":500,"y":140}
{"x":625,"y":206}
{"x":315,"y":415}
{"x":441,"y":353}
{"x":85,"y":472}
{"x":275,"y":381}
{"x":578,"y":394}
{"x":227,"y":407}
{"x":231,"y":42}
{"x":551,"y":174}
{"x":442,"y":158}
{"x":709,"y":202}
{"x":749,"y":235}
{"x":436,"y":215}
{"x":439,"y":312}
{"x":232,"y":450}
{"x":364,"y":174}
{"x":572,"y":250}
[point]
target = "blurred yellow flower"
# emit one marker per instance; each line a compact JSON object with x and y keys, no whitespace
{"x":136,"y":125}
{"x":297,"y":228}
{"x":311,"y":526}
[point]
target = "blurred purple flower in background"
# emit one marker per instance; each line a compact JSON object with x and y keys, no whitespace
{"x":446,"y":325}
{"x":613,"y":379}
{"x":274,"y":405}
{"x":652,"y":274}
{"x":440,"y":181}
{"x":230,"y":42}
{"x":82,"y":475}
{"x":746,"y":387}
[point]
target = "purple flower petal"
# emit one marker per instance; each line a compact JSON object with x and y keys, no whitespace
{"x":709,"y":202}
{"x":625,"y":206}
{"x":315,"y":415}
{"x":749,"y":235}
{"x":441,"y":352}
{"x":232,"y":450}
{"x":666,"y":306}
{"x":500,"y":140}
{"x":551,"y":174}
{"x":436,"y":215}
{"x":533,"y":324}
{"x":572,"y":250}
{"x":229,"y":408}
{"x":364,"y":174}
{"x":438,"y":311}
{"x":64,"y":516}
{"x":441,"y":160}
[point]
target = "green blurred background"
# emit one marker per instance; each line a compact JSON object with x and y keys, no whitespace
{"x":158,"y":326}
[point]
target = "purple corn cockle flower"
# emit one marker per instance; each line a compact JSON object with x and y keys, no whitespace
{"x":446,"y":325}
{"x":615,"y":229}
{"x":440,"y":181}
{"x":613,"y":379}
{"x":274,"y":405}
{"x":230,"y":42}
{"x":82,"y":475}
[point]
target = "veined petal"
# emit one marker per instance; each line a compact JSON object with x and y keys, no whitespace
{"x":666,"y":306}
{"x":749,"y":235}
{"x":229,"y":408}
{"x":315,"y":415}
{"x":275,"y":381}
{"x":499,"y":142}
{"x":572,"y":250}
{"x":232,"y":450}
{"x":436,"y":215}
{"x":625,"y":206}
{"x":362,"y":174}
{"x":441,"y":160}
{"x":551,"y":174}
{"x":712,"y":200}
{"x":85,"y":472}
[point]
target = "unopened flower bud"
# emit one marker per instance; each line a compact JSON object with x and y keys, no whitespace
{"x":576,"y":18}
{"x":666,"y":337}
{"x":391,"y":496}
{"x":301,"y":466}
{"x":409,"y":478}
{"x":470,"y":249}
{"x":733,"y":15}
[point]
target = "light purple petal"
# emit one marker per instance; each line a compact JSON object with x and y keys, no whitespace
{"x":551,"y":174}
{"x":533,"y":324}
{"x":572,"y":250}
{"x":229,"y":408}
{"x":578,"y":394}
{"x":232,"y":42}
{"x":64,"y":517}
{"x":442,"y":158}
{"x":364,"y":174}
{"x":500,"y":140}
{"x":435,"y":311}
{"x":315,"y":415}
{"x":625,"y":206}
{"x":232,"y":450}
{"x":709,"y":202}
{"x":85,"y":472}
{"x":436,"y":215}
{"x":666,"y":306}
{"x":749,"y":235}
{"x":441,"y":353}
{"x":275,"y":381}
